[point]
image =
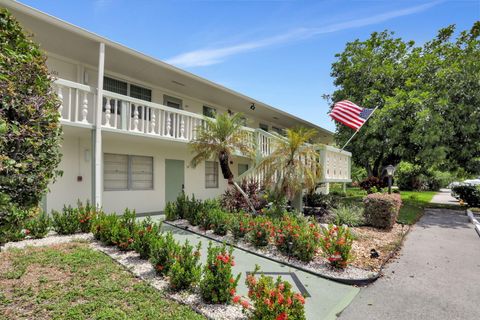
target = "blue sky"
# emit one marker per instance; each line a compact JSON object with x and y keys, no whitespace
{"x":279,"y":52}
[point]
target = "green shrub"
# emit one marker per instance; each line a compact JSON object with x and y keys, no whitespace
{"x":30,"y":130}
{"x":171,"y":213}
{"x":218,"y":284}
{"x":67,"y":221}
{"x":186,"y":269}
{"x":163,"y":251}
{"x":350,"y":215}
{"x":468,"y":194}
{"x":410,"y":176}
{"x":145,"y":234}
{"x":12,"y":219}
{"x":104,"y":227}
{"x":219,"y":221}
{"x":381,"y":210}
{"x":372,"y":184}
{"x":239,"y":224}
{"x":86,"y":214}
{"x":297,"y":237}
{"x":336,"y":243}
{"x":319,"y":200}
{"x":38,"y":226}
{"x":261,"y":230}
{"x":123,"y":232}
{"x":272,"y":299}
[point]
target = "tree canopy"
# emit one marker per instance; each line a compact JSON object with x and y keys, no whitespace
{"x":428,"y":100}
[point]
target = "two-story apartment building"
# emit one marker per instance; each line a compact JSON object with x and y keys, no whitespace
{"x":127,"y":120}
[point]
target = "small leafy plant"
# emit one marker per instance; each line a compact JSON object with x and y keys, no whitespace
{"x":219,"y":221}
{"x":170,"y":211}
{"x":104,"y":227}
{"x":163,"y":251}
{"x":239,"y":224}
{"x":218,"y":284}
{"x":186,"y":269}
{"x":86,"y":214}
{"x":272,"y":299}
{"x":38,"y":227}
{"x":67,"y":221}
{"x":350,"y":215}
{"x":144,"y":235}
{"x":261,"y":230}
{"x":336,"y":243}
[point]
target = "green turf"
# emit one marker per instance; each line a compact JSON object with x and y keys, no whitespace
{"x":72,"y":281}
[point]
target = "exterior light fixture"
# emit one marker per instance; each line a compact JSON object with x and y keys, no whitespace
{"x":390,"y":170}
{"x":252,"y":107}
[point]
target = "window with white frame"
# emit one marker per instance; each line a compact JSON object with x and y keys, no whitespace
{"x":209,"y":112}
{"x":127,"y":172}
{"x":211,"y":174}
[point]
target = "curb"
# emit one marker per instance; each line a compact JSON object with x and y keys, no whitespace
{"x":473,"y":220}
{"x":352,"y":282}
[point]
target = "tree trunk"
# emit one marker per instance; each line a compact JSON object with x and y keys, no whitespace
{"x":225,"y":166}
{"x":228,"y":175}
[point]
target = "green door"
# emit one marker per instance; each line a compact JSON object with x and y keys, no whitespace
{"x":174,"y":178}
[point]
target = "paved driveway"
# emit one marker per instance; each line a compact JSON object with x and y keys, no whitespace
{"x":436,"y":277}
{"x":444,"y":197}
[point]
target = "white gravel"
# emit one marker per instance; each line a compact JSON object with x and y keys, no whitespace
{"x":141,"y":269}
{"x":319,"y":265}
{"x":50,"y":239}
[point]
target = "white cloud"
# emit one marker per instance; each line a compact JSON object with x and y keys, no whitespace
{"x":209,"y":56}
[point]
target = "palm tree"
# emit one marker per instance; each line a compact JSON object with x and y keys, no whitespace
{"x":220,"y":138}
{"x":293,"y":165}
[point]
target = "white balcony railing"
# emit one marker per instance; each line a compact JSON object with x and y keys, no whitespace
{"x":126,"y":114}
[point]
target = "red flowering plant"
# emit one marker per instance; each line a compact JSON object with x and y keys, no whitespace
{"x":297,"y":237}
{"x":186,"y":270}
{"x":336,"y":243}
{"x":261,"y":229}
{"x":163,"y":250}
{"x":239,"y":224}
{"x":86,"y":214}
{"x":124,"y":232}
{"x":218,"y":284}
{"x":272,"y":299}
{"x":146,"y":231}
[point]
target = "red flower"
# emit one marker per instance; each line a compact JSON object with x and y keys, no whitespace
{"x":231,"y":280}
{"x":245,"y":304}
{"x":282,"y":316}
{"x":289,"y":301}
{"x":299,"y":297}
{"x":27,"y":231}
{"x":280,"y":298}
{"x":232,"y":263}
{"x":236,"y":299}
{"x":281,"y":286}
{"x":232,"y":291}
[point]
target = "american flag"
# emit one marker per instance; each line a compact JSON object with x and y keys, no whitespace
{"x":350,"y":114}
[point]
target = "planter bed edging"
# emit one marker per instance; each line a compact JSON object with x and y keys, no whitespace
{"x":474,"y":220}
{"x":354,"y":282}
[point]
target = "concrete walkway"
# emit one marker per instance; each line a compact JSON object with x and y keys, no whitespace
{"x":327,"y":298}
{"x":437,"y":275}
{"x":444,"y":197}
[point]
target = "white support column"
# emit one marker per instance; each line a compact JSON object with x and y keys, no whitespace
{"x":98,"y":174}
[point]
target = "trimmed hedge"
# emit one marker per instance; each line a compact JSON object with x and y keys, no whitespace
{"x":469,"y":194}
{"x":381,"y":210}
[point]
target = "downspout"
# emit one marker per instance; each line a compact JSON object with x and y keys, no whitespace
{"x":98,"y":128}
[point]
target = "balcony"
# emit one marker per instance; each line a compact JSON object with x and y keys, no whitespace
{"x":125,"y":114}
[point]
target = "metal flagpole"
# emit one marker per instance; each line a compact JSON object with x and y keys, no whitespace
{"x":359,"y":128}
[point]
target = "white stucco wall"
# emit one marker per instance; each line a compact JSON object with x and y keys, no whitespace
{"x":76,"y":162}
{"x":154,"y":200}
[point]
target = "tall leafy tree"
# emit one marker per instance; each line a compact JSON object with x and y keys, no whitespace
{"x":221,"y":138}
{"x":428,"y":99}
{"x":30,"y":132}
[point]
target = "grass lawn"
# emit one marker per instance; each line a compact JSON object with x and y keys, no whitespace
{"x":414,"y":202}
{"x":72,"y":281}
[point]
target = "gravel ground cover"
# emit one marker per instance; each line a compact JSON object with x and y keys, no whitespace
{"x":319,"y":265}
